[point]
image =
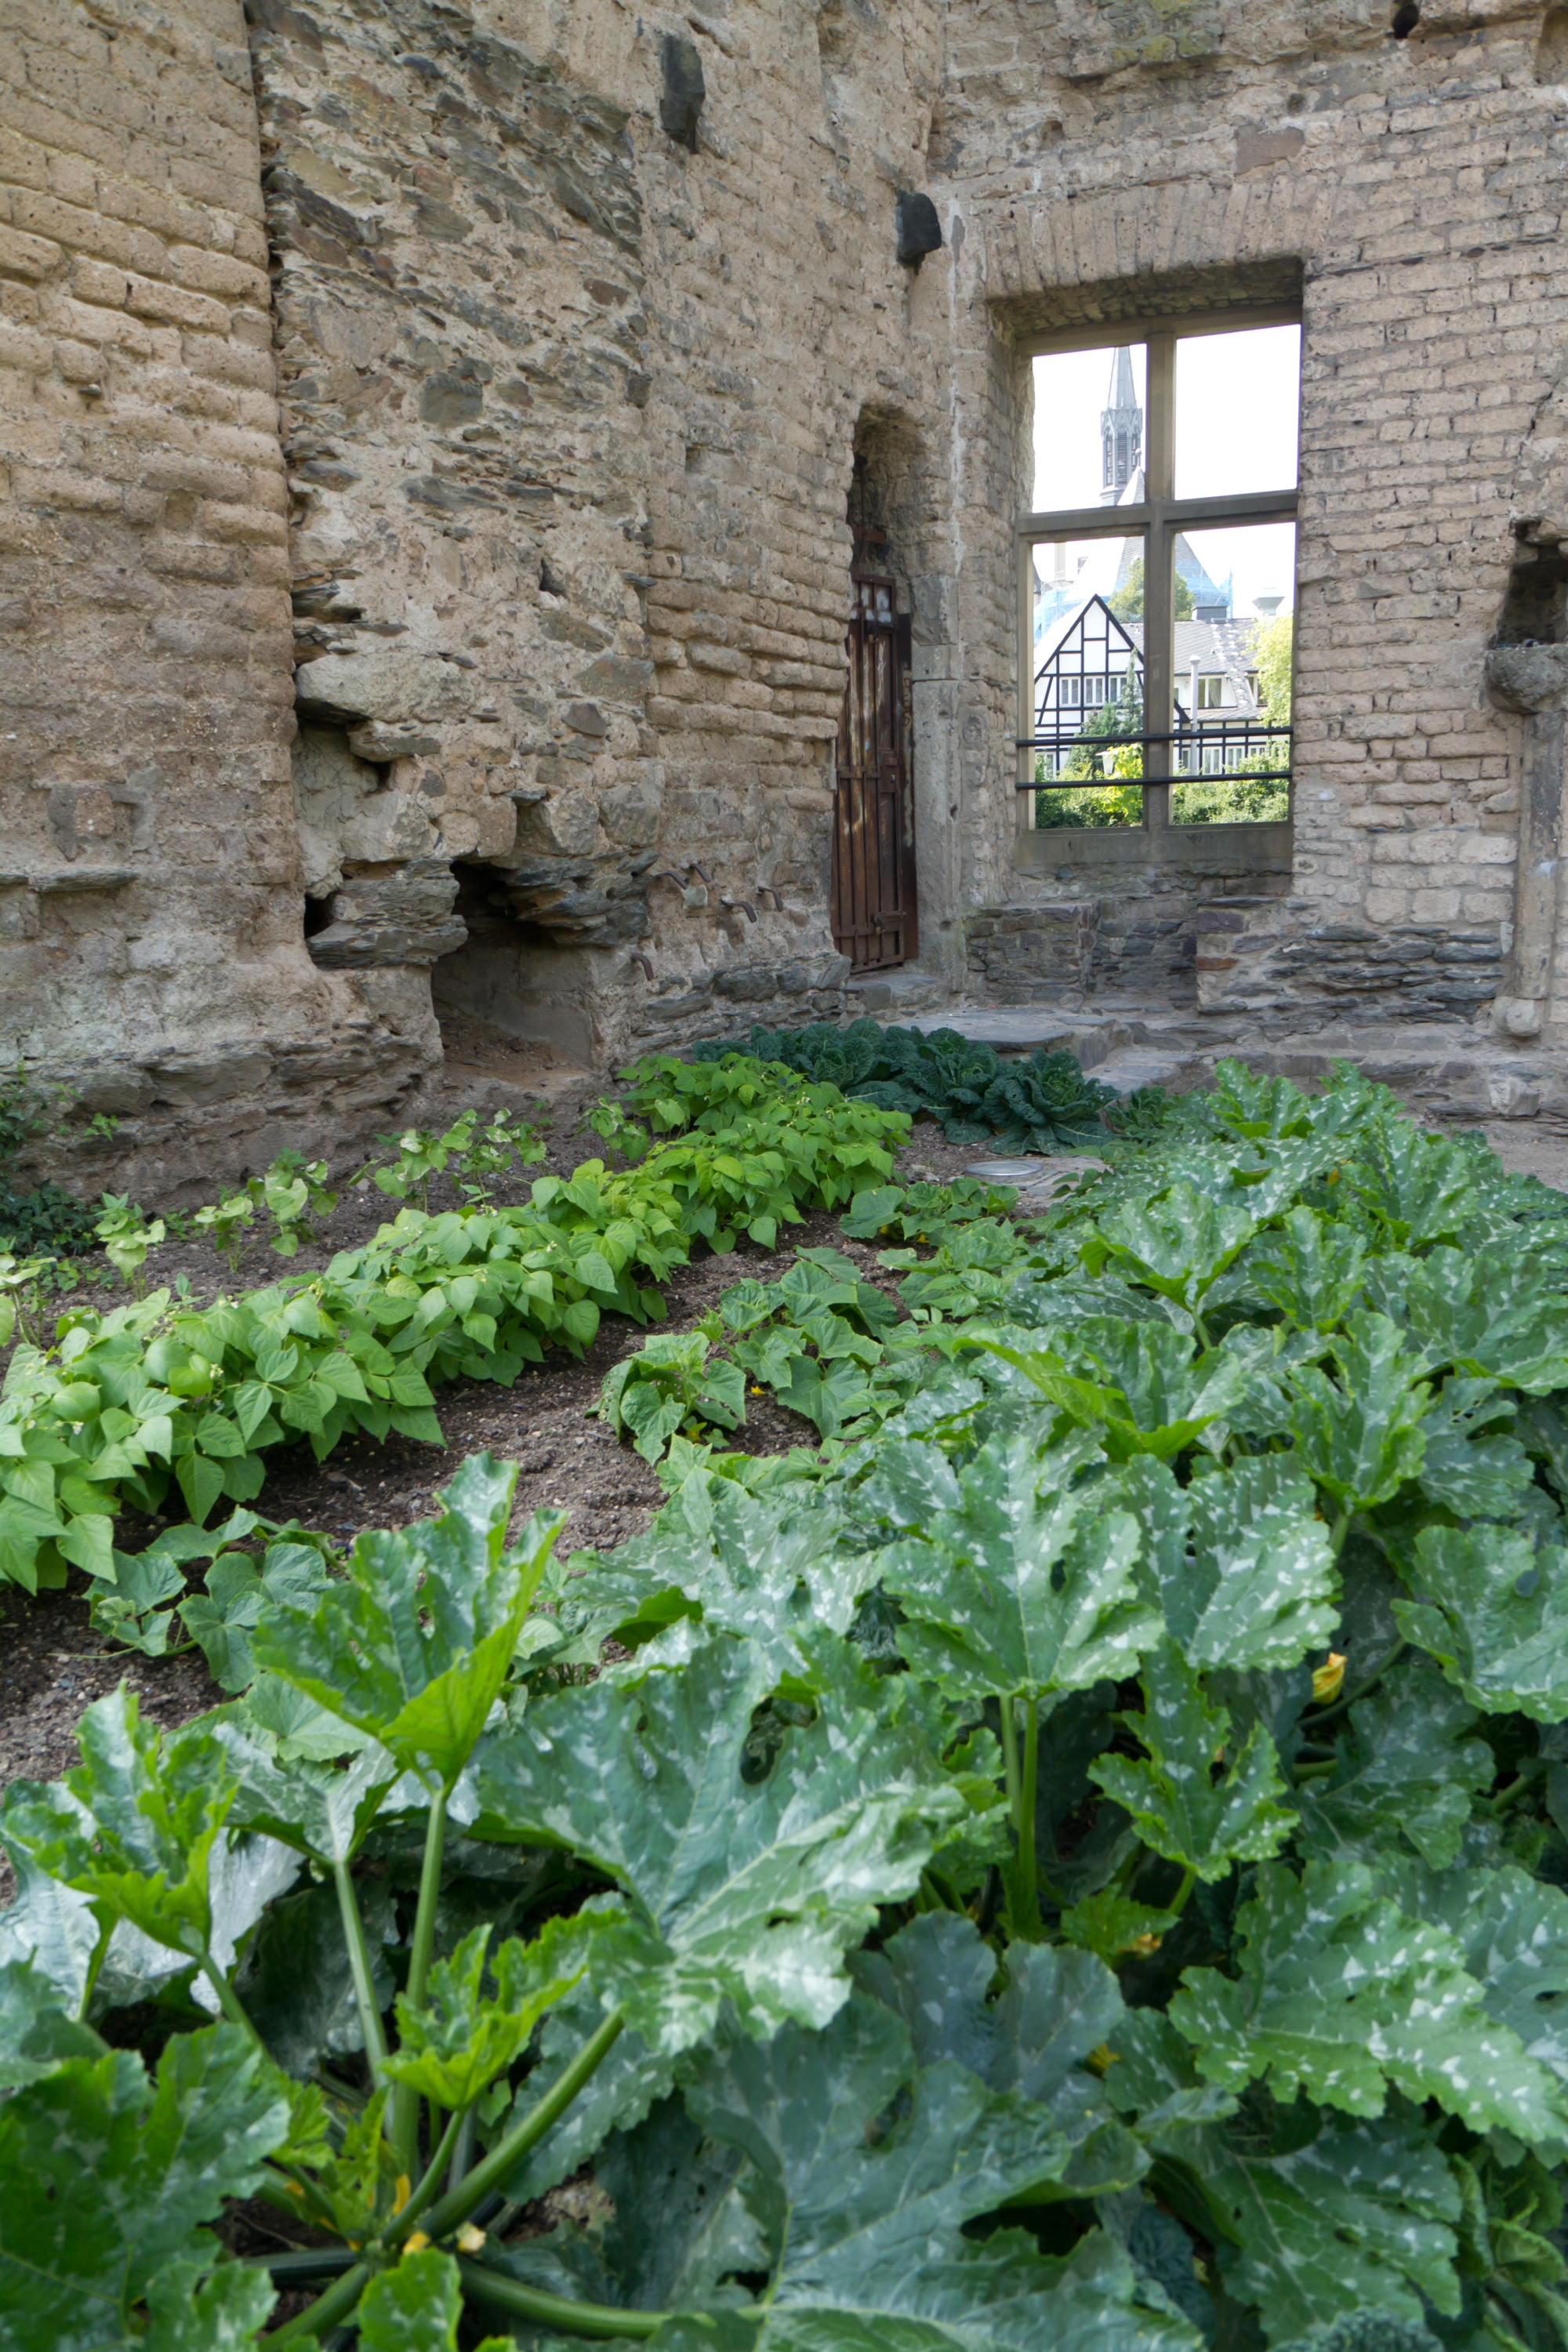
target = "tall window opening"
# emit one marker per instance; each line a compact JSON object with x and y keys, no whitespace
{"x":1157,"y":573}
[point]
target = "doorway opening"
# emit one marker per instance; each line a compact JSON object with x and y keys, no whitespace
{"x":873,"y":889}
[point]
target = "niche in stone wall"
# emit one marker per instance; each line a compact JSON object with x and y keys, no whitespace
{"x":543,"y":942}
{"x":885,"y":494}
{"x":1551,"y":49}
{"x":1535,"y":604}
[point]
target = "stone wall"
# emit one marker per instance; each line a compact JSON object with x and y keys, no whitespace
{"x":572,"y":403}
{"x":152,"y":949}
{"x":1039,"y":953}
{"x":570,"y":548}
{"x":1130,"y":158}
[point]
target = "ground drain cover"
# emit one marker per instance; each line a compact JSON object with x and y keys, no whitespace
{"x":1008,"y":1171}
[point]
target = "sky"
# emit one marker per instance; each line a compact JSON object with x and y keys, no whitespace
{"x":1236,"y":408}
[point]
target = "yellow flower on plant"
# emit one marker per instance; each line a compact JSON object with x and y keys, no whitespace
{"x":470,"y":2239}
{"x":415,"y":2242}
{"x":402,"y":2193}
{"x":1327,"y":1678}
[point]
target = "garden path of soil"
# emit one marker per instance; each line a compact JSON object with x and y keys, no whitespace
{"x":52,"y":1664}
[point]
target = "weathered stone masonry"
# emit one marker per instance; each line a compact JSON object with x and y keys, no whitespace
{"x":404,"y":344}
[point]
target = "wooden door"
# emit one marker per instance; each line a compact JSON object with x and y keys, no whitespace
{"x":874,"y":826}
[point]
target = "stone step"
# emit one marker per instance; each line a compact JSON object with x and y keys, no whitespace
{"x":897,"y":996}
{"x":1150,"y":1065}
{"x":1037,"y":1028}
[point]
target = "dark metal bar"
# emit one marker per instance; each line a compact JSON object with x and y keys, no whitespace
{"x":1223,"y":730}
{"x":1120,"y":784}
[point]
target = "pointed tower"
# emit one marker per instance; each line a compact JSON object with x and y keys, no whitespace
{"x":1120,"y":431}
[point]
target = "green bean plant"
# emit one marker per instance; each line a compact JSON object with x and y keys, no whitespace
{"x":23,"y":1285}
{"x":158,"y":1403}
{"x":227,"y":1222}
{"x":672,"y":1384}
{"x":505,"y":1144}
{"x":127,"y":1239}
{"x":296,"y":1195}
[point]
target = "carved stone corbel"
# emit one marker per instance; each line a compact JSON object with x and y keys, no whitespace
{"x":1534,"y":680}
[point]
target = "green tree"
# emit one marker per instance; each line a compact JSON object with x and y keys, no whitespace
{"x":1242,"y":800}
{"x":1127,"y":604}
{"x":1273,"y":644}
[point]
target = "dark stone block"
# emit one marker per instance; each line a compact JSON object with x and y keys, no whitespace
{"x":747,"y":986}
{"x":457,"y":398}
{"x":919,"y":230}
{"x":684,"y":89}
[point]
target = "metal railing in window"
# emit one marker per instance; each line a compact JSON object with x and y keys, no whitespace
{"x":1236,"y":748}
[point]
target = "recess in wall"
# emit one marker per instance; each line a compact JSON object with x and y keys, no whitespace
{"x":684,"y":89}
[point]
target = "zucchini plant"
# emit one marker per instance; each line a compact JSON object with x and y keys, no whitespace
{"x":1083,"y":1863}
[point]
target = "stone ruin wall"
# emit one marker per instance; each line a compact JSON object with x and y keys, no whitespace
{"x":548,"y":425}
{"x":546,"y":422}
{"x":1157,"y":155}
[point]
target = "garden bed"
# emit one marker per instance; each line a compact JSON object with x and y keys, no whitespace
{"x":1080,"y":1855}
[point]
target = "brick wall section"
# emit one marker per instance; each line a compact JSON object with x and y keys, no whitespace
{"x":150,"y":950}
{"x":571,"y":414}
{"x":781,"y":328}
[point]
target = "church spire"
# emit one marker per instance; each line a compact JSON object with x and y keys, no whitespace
{"x":1120,"y":430}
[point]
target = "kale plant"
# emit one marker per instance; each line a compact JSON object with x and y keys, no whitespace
{"x":1044,"y":1104}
